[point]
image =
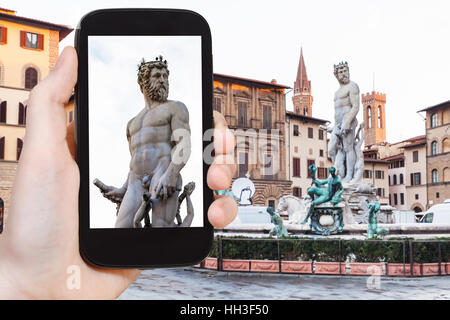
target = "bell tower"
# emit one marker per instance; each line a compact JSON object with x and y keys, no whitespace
{"x":374,"y":117}
{"x":302,"y":98}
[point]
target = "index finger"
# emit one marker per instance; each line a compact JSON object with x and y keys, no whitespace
{"x":224,"y":141}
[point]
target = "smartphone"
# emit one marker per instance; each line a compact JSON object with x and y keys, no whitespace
{"x":143,"y":195}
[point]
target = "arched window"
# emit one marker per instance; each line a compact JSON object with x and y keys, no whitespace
{"x":31,"y":78}
{"x":395,"y":179}
{"x":380,"y":123}
{"x":22,"y":114}
{"x":446,"y":174}
{"x":401,"y":178}
{"x":3,"y":112}
{"x":19,"y":148}
{"x":369,"y":117}
{"x":434,"y":120}
{"x":434,"y":148}
{"x":446,"y":145}
{"x":434,"y":176}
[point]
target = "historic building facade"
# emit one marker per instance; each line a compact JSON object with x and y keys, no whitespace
{"x":28,"y":51}
{"x":255,"y":110}
{"x":306,"y":144}
{"x":437,"y":128}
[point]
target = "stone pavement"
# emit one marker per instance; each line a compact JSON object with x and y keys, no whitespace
{"x":191,"y":284}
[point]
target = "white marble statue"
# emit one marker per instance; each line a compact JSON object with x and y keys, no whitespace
{"x":345,"y":145}
{"x":296,"y":208}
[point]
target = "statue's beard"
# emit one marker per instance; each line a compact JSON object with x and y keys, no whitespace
{"x":156,"y":91}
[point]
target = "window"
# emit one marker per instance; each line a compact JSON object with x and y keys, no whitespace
{"x":321,"y":153}
{"x":322,"y":173}
{"x":22,"y":114}
{"x":242,"y":114}
{"x":369,"y":117}
{"x":269,"y":167}
{"x":394,"y":178}
{"x":296,"y":167}
{"x":437,"y":195}
{"x":19,"y":148}
{"x":416,"y":156}
{"x":320,"y":134}
{"x":415,"y":179}
{"x":401,"y":178}
{"x":379,"y":174}
{"x":380,"y":124}
{"x":367,"y":174}
{"x":310,"y":133}
{"x":217,"y":104}
{"x":3,"y":112}
{"x":2,"y":148}
{"x":267,"y":117}
{"x":434,"y":120}
{"x":390,"y":202}
{"x":243,"y":164}
{"x":434,"y":148}
{"x":31,"y":40}
{"x":417,"y":196}
{"x":310,"y":162}
{"x":271,"y":203}
{"x":380,"y":192}
{"x":402,"y":198}
{"x":434,"y":176}
{"x":389,"y":180}
{"x":395,"y":199}
{"x":3,"y":35}
{"x":296,"y":134}
{"x":31,"y":78}
{"x":297,"y":192}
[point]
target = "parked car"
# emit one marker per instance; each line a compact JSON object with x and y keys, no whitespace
{"x":439,"y":213}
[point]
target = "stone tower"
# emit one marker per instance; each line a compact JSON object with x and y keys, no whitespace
{"x":302,"y":98}
{"x":374,"y":117}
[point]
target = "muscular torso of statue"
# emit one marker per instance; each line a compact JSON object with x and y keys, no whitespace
{"x":151,"y":142}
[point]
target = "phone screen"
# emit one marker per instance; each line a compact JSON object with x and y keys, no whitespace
{"x":145,"y":131}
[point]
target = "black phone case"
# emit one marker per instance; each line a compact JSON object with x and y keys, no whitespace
{"x":140,"y":248}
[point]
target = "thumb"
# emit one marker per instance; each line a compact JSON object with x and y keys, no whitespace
{"x":46,"y":126}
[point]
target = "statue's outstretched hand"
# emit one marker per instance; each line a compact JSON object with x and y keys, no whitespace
{"x":39,"y":245}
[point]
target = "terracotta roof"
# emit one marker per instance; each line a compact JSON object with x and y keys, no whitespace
{"x":375,"y":160}
{"x":394,"y":157}
{"x":415,"y":144}
{"x":303,"y":117}
{"x":251,"y":80}
{"x":436,"y":106}
{"x":63,"y":30}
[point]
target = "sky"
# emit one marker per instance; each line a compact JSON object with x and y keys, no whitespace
{"x":400,"y":48}
{"x":115,"y":98}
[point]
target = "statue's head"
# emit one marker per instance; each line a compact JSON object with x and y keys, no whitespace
{"x":341,"y":72}
{"x":332,"y":171}
{"x":153,"y":79}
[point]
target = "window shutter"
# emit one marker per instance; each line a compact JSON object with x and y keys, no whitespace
{"x":3,"y":35}
{"x":2,"y":148}
{"x":23,"y":39}
{"x":19,"y":148}
{"x":3,"y":112}
{"x":21,"y":114}
{"x":40,"y":41}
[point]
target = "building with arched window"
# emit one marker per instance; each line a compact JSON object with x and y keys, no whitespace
{"x":437,"y":127}
{"x":28,"y":51}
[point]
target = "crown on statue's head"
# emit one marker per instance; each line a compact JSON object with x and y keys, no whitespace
{"x":158,"y":62}
{"x":342,"y":64}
